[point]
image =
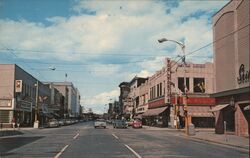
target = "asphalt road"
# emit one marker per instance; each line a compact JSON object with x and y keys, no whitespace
{"x":83,"y":141}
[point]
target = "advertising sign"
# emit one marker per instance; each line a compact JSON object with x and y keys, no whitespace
{"x":18,"y":85}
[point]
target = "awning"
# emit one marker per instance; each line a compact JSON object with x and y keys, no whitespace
{"x":218,"y":107}
{"x":154,"y":112}
{"x":199,"y":111}
{"x":138,"y":116}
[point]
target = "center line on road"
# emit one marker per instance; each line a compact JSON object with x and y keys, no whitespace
{"x":136,"y":154}
{"x":60,"y":153}
{"x":76,"y":136}
{"x":115,"y":136}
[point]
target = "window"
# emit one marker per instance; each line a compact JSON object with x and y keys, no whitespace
{"x":199,"y":85}
{"x":181,"y":83}
{"x":151,"y":93}
{"x":160,"y":89}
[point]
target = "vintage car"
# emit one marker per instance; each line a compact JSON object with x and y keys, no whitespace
{"x":120,"y":124}
{"x":100,"y":123}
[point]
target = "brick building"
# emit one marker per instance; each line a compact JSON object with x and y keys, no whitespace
{"x":232,"y":72}
{"x":165,"y":89}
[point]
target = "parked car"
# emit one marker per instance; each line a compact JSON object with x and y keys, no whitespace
{"x":68,"y":122}
{"x":62,"y":122}
{"x":109,"y":121}
{"x":53,"y":123}
{"x":120,"y":124}
{"x":129,"y":123}
{"x":100,"y":123}
{"x":137,"y":124}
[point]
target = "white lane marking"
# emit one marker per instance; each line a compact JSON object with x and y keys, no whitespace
{"x":76,"y":136}
{"x":136,"y":154}
{"x":115,"y":136}
{"x":60,"y":153}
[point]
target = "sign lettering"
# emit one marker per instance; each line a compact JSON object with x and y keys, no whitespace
{"x":244,"y":75}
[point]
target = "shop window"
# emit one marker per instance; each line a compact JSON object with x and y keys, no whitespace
{"x":181,"y":83}
{"x":199,"y":85}
{"x":5,"y":116}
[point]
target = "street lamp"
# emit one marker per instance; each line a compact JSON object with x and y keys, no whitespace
{"x":36,"y":122}
{"x":185,"y":95}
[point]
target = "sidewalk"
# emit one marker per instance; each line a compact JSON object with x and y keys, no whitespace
{"x":6,"y":132}
{"x":208,"y":134}
{"x":229,"y":139}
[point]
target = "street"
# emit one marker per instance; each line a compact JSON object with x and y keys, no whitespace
{"x":82,"y":140}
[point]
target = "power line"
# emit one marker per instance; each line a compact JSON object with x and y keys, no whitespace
{"x":23,"y":51}
{"x":24,"y":62}
{"x":217,"y":40}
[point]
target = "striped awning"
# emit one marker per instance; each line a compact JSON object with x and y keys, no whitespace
{"x":154,"y":112}
{"x":199,"y":111}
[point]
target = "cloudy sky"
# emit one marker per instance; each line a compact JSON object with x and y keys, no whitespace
{"x":100,"y":44}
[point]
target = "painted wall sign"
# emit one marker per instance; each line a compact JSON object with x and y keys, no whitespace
{"x":244,"y":75}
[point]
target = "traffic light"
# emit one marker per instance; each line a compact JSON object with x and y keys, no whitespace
{"x":18,"y":85}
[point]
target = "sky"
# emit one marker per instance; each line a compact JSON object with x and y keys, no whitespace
{"x":100,"y":44}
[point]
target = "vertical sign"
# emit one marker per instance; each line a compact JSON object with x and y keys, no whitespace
{"x":168,"y":95}
{"x":19,"y":84}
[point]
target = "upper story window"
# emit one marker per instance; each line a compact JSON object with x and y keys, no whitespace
{"x":199,"y":85}
{"x":181,"y":83}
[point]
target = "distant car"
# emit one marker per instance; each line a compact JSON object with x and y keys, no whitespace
{"x":137,"y":124}
{"x":120,"y":124}
{"x":100,"y":123}
{"x":53,"y":123}
{"x":62,"y":122}
{"x":68,"y":122}
{"x":129,"y":123}
{"x":109,"y":121}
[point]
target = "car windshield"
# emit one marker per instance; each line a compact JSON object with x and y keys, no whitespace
{"x":124,"y":78}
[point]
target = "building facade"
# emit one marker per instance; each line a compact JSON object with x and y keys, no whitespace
{"x":124,"y":91}
{"x":158,"y":103}
{"x":19,"y":93}
{"x":199,"y":86}
{"x":134,"y":95}
{"x":232,"y":72}
{"x":143,"y":100}
{"x":71,"y":96}
{"x":160,"y":98}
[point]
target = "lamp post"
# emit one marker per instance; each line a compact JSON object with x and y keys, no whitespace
{"x":36,"y":122}
{"x":185,"y":95}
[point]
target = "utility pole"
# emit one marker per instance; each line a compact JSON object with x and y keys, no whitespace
{"x":185,"y":91}
{"x":187,"y":119}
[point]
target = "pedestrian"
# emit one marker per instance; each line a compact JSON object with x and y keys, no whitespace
{"x":13,"y":122}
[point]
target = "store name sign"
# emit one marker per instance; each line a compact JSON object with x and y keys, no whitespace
{"x":244,"y":75}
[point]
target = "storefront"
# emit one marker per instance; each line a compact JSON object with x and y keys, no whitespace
{"x":157,"y":117}
{"x":198,"y":108}
{"x":232,"y":112}
{"x":158,"y":113}
{"x":23,"y":113}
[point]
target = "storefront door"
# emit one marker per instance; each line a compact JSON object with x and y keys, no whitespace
{"x":229,"y":117}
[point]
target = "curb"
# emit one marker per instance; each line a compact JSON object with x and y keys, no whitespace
{"x":181,"y":134}
{"x":216,"y":142}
